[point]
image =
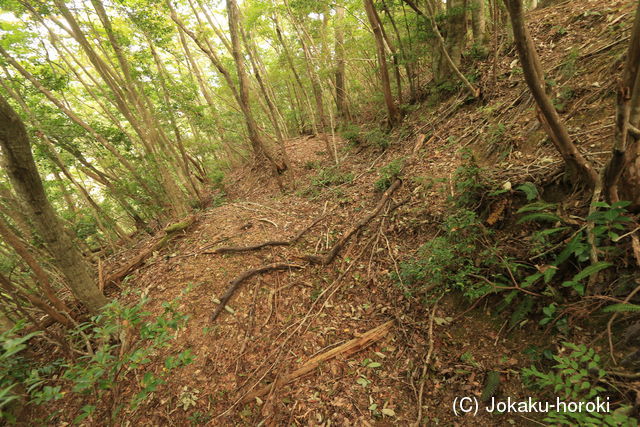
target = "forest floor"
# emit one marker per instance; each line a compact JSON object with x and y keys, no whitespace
{"x":283,"y":319}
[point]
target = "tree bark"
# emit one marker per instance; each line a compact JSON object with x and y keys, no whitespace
{"x":442,"y":45}
{"x":548,"y":115}
{"x":22,"y":171}
{"x":374,"y":21}
{"x":478,"y":23}
{"x":341,"y":93}
{"x":259,"y":146}
{"x":622,"y":174}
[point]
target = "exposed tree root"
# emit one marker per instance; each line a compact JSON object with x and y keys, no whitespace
{"x":236,"y":249}
{"x":311,"y":258}
{"x":331,"y":255}
{"x":170,"y":232}
{"x":235,"y":283}
{"x":346,"y":349}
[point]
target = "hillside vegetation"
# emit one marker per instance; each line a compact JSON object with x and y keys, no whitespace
{"x":307,"y":213}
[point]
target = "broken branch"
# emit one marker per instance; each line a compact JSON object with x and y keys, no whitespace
{"x":345,"y":349}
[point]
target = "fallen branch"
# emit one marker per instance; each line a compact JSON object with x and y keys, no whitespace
{"x":235,"y":283}
{"x":236,"y":249}
{"x":136,"y":262}
{"x":345,"y":349}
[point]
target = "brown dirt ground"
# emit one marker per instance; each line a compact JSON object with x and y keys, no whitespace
{"x":283,"y":319}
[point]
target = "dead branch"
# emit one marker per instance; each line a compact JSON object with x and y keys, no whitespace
{"x":136,"y":262}
{"x":345,"y":349}
{"x":235,"y":249}
{"x":235,"y":283}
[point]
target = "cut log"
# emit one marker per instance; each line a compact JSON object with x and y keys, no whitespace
{"x":345,"y":349}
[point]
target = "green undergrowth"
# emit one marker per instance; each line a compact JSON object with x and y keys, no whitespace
{"x":112,"y":348}
{"x":357,"y":136}
{"x":571,"y":267}
{"x":326,"y":179}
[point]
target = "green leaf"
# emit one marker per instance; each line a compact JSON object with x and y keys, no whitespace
{"x":617,"y":308}
{"x":529,"y":189}
{"x":536,"y":207}
{"x":592,"y":269}
{"x":540,"y":216}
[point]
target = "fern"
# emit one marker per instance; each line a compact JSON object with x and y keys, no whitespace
{"x":536,"y":207}
{"x":491,"y":386}
{"x":539,"y":216}
{"x":529,"y":189}
{"x":592,"y":269}
{"x":619,"y":308}
{"x":521,"y":311}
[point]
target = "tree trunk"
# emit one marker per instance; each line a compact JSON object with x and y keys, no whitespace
{"x":548,"y":115}
{"x":443,"y":48}
{"x":478,"y":23}
{"x":21,"y":168}
{"x":42,"y":277}
{"x":456,"y":37}
{"x":259,"y":146}
{"x":341,"y":94}
{"x":403,"y":54}
{"x":622,"y":174}
{"x":374,"y":21}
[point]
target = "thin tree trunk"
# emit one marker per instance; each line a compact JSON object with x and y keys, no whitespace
{"x":36,"y":301}
{"x":43,"y":278}
{"x":374,"y":21}
{"x":403,"y":54}
{"x":257,"y":142}
{"x":341,"y":95}
{"x":548,"y":115}
{"x":443,"y":48}
{"x":478,"y":23}
{"x":622,"y":174}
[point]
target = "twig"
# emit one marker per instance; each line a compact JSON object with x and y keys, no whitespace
{"x":427,"y":359}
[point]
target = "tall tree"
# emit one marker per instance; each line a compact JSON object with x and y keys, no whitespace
{"x":341,"y":90}
{"x":258,"y":143}
{"x":22,"y":171}
{"x":374,"y":20}
{"x":578,"y":166}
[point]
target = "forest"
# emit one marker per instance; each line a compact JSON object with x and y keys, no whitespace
{"x":297,"y":212}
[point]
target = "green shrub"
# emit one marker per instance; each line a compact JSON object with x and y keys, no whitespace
{"x":576,"y":377}
{"x":119,"y":341}
{"x":331,"y":176}
{"x":377,"y":138}
{"x":447,"y":261}
{"x":469,"y":183}
{"x":388,"y":174}
{"x":351,"y":132}
{"x":14,"y":367}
